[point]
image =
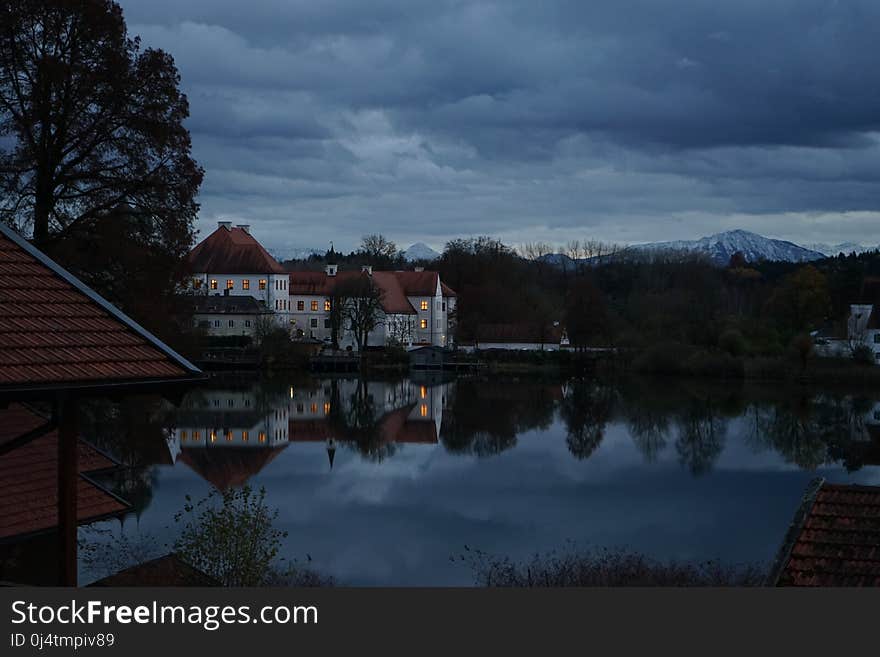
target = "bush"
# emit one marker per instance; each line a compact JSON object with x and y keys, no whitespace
{"x":606,"y":567}
{"x":863,"y":354}
{"x":719,"y":364}
{"x":732,"y":342}
{"x":663,"y":358}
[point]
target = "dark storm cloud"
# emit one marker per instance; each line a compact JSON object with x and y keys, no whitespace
{"x":621,"y":120}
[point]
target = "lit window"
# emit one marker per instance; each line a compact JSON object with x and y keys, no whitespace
{"x":213,"y":436}
{"x":327,"y":305}
{"x":423,"y":392}
{"x":246,"y":284}
{"x":230,"y":284}
{"x":300,"y":305}
{"x":213,"y":283}
{"x":423,"y":323}
{"x":314,"y":408}
{"x":197,"y":283}
{"x":228,"y":436}
{"x":424,"y":305}
{"x":326,"y":408}
{"x":183,"y":435}
{"x":196,"y":435}
{"x":244,"y":436}
{"x":314,"y":306}
{"x":262,"y":437}
{"x":423,"y":410}
{"x":262,"y":283}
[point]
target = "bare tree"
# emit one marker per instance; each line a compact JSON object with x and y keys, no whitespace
{"x":361,"y":307}
{"x":378,"y":248}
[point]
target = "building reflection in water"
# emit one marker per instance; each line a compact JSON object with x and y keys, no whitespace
{"x":229,"y":434}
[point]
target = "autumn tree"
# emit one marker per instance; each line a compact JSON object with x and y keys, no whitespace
{"x":93,"y":149}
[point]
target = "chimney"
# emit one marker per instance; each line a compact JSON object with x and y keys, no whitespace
{"x":245,"y":227}
{"x":368,"y":269}
{"x":225,"y":224}
{"x":419,"y":269}
{"x":331,"y":270}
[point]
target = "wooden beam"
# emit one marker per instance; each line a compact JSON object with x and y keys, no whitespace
{"x":68,"y":473}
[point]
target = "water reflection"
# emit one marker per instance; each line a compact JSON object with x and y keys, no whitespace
{"x":381,"y":481}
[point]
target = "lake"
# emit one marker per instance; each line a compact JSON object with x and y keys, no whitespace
{"x":382,"y":482}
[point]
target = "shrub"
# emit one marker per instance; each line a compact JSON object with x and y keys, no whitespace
{"x":732,"y":342}
{"x":720,"y":364}
{"x":663,"y":358}
{"x":863,"y":354}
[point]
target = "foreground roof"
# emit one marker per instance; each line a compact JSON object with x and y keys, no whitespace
{"x":834,"y":539}
{"x":232,"y":251}
{"x":55,"y":332}
{"x":29,"y":477}
{"x":169,"y":570}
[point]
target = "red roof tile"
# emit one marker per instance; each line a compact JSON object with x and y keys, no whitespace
{"x":55,"y":331}
{"x":29,"y":479}
{"x":169,"y":570}
{"x":835,"y":540}
{"x":447,"y":291}
{"x":232,"y":251}
{"x":394,"y":301}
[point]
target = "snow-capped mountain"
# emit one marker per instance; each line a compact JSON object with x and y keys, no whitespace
{"x":721,"y":246}
{"x":420,"y":251}
{"x":844,"y":247}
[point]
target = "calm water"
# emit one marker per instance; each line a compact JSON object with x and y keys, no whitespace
{"x":382,"y":482}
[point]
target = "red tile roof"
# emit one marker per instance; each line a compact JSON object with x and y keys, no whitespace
{"x":232,"y":251}
{"x":418,"y":283}
{"x":394,"y":301}
{"x":447,"y":291}
{"x":29,"y":480}
{"x":835,"y":539}
{"x":56,"y":332}
{"x":169,"y":570}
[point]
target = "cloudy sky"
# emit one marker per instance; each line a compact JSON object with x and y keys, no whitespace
{"x":620,"y":120}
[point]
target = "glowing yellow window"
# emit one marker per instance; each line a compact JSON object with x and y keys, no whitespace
{"x":423,"y":392}
{"x":228,"y":436}
{"x":326,"y":408}
{"x":230,"y":284}
{"x":213,"y":283}
{"x":197,"y":283}
{"x":314,"y":306}
{"x":327,"y":305}
{"x":246,"y":284}
{"x":262,"y":283}
{"x":423,"y":410}
{"x":423,"y":323}
{"x":244,"y":436}
{"x":424,"y":305}
{"x":213,"y":436}
{"x":314,"y":408}
{"x":262,"y":437}
{"x":196,"y":435}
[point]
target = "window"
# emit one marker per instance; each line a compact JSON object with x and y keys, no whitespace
{"x":183,"y":435}
{"x":213,"y":436}
{"x":423,"y":410}
{"x":228,"y":436}
{"x":437,"y":323}
{"x":244,"y":436}
{"x":423,"y":323}
{"x":230,"y":284}
{"x":877,"y":338}
{"x":327,"y":305}
{"x":326,"y":408}
{"x":314,"y":306}
{"x":246,"y":284}
{"x":300,"y":305}
{"x":197,"y":283}
{"x":299,"y":408}
{"x":423,"y":392}
{"x":326,"y":323}
{"x":213,"y":283}
{"x":247,"y":323}
{"x":444,"y":306}
{"x":262,"y":283}
{"x":231,"y":323}
{"x":314,"y":323}
{"x":262,"y":437}
{"x":424,"y":305}
{"x":313,"y":408}
{"x":197,"y":435}
{"x":216,"y":323}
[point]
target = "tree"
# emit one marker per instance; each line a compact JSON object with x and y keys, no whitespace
{"x":92,"y":143}
{"x":378,"y":249}
{"x":361,"y":307}
{"x":801,"y":300}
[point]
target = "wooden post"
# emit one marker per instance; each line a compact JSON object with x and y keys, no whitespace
{"x":68,"y":473}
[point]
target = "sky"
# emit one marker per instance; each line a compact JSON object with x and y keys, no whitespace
{"x":619,"y":120}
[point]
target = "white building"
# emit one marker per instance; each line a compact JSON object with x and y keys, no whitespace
{"x":863,"y":327}
{"x":229,"y":315}
{"x":417,"y":309}
{"x":230,"y":262}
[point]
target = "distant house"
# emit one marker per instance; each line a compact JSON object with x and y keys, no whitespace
{"x":428,"y":358}
{"x":863,"y":324}
{"x":833,"y":539}
{"x":519,"y":337}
